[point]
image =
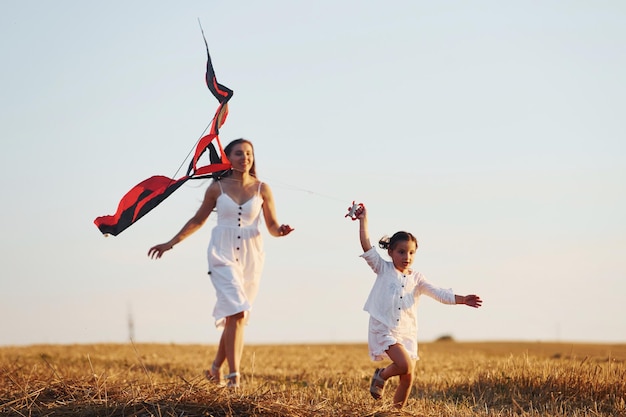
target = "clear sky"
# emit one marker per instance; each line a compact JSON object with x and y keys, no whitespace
{"x":494,"y":131}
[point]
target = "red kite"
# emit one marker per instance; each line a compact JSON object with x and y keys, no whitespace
{"x":151,"y":192}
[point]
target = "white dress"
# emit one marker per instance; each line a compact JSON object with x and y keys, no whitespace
{"x":236,"y":255}
{"x":392,"y":305}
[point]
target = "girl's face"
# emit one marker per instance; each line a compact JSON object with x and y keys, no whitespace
{"x":402,"y":255}
{"x":241,"y":157}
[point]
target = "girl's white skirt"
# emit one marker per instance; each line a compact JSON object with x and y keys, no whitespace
{"x":381,"y":337}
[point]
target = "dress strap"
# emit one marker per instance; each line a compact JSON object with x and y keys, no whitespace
{"x":221,"y":189}
{"x":259,"y":190}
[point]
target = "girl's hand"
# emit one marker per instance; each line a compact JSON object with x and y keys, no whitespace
{"x":360,"y":212}
{"x":158,"y":250}
{"x":472,"y":300}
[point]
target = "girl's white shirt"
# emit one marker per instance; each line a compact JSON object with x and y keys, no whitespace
{"x":393,"y":298}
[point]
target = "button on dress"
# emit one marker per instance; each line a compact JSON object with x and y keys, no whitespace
{"x":236,"y":255}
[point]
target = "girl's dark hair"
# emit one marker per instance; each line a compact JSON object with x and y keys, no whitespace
{"x":228,"y":149}
{"x":390,"y":243}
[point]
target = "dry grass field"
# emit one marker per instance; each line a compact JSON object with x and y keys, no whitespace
{"x":452,"y":379}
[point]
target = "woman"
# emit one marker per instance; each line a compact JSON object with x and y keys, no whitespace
{"x":235,"y":251}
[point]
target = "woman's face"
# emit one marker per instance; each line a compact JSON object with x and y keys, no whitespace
{"x":241,"y":157}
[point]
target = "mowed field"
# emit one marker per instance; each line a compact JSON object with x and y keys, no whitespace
{"x":451,"y":379}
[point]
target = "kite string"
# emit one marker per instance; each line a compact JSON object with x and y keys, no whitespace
{"x":192,"y":149}
{"x":284,"y":185}
{"x":291,"y":187}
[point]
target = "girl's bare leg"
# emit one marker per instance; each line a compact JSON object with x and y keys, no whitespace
{"x":403,"y":367}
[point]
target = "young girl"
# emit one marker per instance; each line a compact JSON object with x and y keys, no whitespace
{"x":392,"y":305}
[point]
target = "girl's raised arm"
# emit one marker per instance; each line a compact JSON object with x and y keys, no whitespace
{"x":364,"y":234}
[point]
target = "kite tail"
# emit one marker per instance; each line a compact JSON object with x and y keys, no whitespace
{"x":142,"y":198}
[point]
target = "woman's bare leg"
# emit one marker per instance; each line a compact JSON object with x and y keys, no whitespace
{"x":220,"y":356}
{"x":232,"y":339}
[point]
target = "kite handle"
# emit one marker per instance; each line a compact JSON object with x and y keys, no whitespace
{"x":352,"y":211}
